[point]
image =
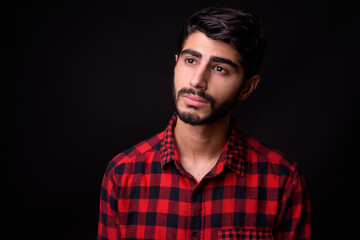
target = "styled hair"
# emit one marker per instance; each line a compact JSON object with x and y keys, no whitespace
{"x":240,"y":29}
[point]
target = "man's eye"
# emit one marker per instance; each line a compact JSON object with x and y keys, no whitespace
{"x":190,"y":60}
{"x":220,"y":69}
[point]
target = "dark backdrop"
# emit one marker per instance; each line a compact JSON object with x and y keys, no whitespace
{"x":83,"y":81}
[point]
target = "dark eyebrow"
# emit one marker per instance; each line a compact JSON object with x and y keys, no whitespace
{"x":192,"y":52}
{"x":213,"y":58}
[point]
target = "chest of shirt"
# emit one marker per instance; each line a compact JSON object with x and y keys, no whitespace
{"x":166,"y":199}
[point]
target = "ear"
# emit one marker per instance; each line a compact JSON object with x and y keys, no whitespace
{"x":249,"y":87}
{"x":176,"y":61}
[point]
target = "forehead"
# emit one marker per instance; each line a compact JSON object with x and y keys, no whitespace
{"x":210,"y":47}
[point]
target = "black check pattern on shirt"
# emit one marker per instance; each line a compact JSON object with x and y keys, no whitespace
{"x":253,"y":192}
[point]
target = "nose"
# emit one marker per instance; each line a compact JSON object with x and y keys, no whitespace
{"x":199,"y":79}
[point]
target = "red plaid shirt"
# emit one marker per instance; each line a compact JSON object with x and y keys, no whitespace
{"x":252,"y":192}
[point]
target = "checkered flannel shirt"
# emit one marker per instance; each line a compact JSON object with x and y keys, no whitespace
{"x":252,"y":192}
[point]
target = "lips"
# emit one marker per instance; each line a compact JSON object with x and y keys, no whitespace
{"x":193,"y":100}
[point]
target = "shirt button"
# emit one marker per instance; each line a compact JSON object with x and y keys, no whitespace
{"x":195,"y":234}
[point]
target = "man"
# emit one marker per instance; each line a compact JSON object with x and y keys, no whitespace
{"x":201,"y":178}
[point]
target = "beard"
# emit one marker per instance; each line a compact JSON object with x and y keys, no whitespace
{"x":217,"y":112}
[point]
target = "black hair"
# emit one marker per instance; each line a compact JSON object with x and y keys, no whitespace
{"x":240,"y":29}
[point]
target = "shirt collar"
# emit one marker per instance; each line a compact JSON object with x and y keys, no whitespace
{"x":233,"y":150}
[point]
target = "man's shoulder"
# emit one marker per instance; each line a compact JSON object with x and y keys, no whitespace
{"x":136,"y":152}
{"x":259,"y":152}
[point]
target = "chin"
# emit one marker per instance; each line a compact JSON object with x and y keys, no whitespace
{"x":195,"y":119}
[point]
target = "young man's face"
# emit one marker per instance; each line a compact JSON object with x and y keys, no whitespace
{"x":207,"y":79}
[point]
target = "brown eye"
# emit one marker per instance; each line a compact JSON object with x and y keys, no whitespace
{"x":220,"y":69}
{"x":190,"y":60}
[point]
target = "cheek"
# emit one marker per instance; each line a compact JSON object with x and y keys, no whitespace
{"x":224,"y":92}
{"x":177,"y":86}
{"x":179,"y":79}
{"x":176,"y":83}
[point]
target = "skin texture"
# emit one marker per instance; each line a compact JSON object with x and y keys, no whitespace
{"x":209,"y":76}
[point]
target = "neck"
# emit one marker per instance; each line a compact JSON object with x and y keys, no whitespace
{"x":203,"y":142}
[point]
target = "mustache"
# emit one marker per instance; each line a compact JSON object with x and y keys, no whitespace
{"x":199,"y":93}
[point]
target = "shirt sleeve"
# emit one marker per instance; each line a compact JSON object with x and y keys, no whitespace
{"x":294,"y":217}
{"x":108,"y":215}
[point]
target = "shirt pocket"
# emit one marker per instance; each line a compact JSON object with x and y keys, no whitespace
{"x":244,"y":233}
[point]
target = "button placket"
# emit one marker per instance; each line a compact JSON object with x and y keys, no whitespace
{"x":196,"y":214}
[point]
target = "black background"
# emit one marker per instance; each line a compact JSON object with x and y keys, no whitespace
{"x":83,"y":81}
